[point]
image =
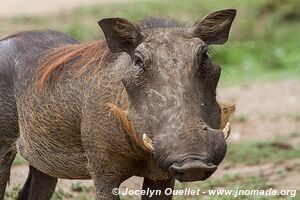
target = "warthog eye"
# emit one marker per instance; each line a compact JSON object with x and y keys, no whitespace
{"x":203,"y":53}
{"x":204,"y":63}
{"x":138,"y":61}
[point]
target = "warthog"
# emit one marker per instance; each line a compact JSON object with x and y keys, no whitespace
{"x":142,"y":102}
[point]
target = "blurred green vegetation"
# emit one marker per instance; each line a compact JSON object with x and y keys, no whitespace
{"x":255,"y":152}
{"x":263,"y":45}
{"x":19,"y":160}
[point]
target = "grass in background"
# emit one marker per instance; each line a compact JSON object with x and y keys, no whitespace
{"x":263,"y":45}
{"x":275,"y":150}
{"x":13,"y":194}
{"x":19,"y":160}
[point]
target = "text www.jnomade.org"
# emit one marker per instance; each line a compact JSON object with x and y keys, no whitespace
{"x":211,"y":192}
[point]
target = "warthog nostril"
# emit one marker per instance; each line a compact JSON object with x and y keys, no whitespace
{"x":192,"y":170}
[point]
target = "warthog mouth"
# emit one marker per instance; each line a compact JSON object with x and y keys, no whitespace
{"x":149,"y":143}
{"x":193,"y":169}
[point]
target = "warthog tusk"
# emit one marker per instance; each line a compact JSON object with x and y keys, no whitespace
{"x":148,"y":142}
{"x":226,"y":130}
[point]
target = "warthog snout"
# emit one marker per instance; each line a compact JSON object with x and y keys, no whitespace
{"x":192,"y":156}
{"x":149,"y":143}
{"x":192,"y":169}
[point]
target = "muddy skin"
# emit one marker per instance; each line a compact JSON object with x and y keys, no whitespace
{"x":160,"y":76}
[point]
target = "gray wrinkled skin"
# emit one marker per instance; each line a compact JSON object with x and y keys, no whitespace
{"x":161,"y":76}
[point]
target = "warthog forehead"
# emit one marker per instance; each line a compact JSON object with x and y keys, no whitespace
{"x":169,"y":42}
{"x":171,"y":53}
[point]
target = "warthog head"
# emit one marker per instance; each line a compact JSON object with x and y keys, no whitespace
{"x":171,"y":85}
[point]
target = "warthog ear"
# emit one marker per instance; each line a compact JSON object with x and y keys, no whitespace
{"x":214,"y":28}
{"x":120,"y":34}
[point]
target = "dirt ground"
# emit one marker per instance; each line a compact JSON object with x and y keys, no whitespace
{"x":264,"y":110}
{"x":267,"y":109}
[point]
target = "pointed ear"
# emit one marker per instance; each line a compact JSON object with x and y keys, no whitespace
{"x":214,"y":28}
{"x":121,"y":35}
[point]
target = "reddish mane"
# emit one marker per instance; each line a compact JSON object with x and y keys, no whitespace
{"x":90,"y":53}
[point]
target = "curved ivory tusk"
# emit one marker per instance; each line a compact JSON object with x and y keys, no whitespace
{"x":226,"y":130}
{"x":148,"y":142}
